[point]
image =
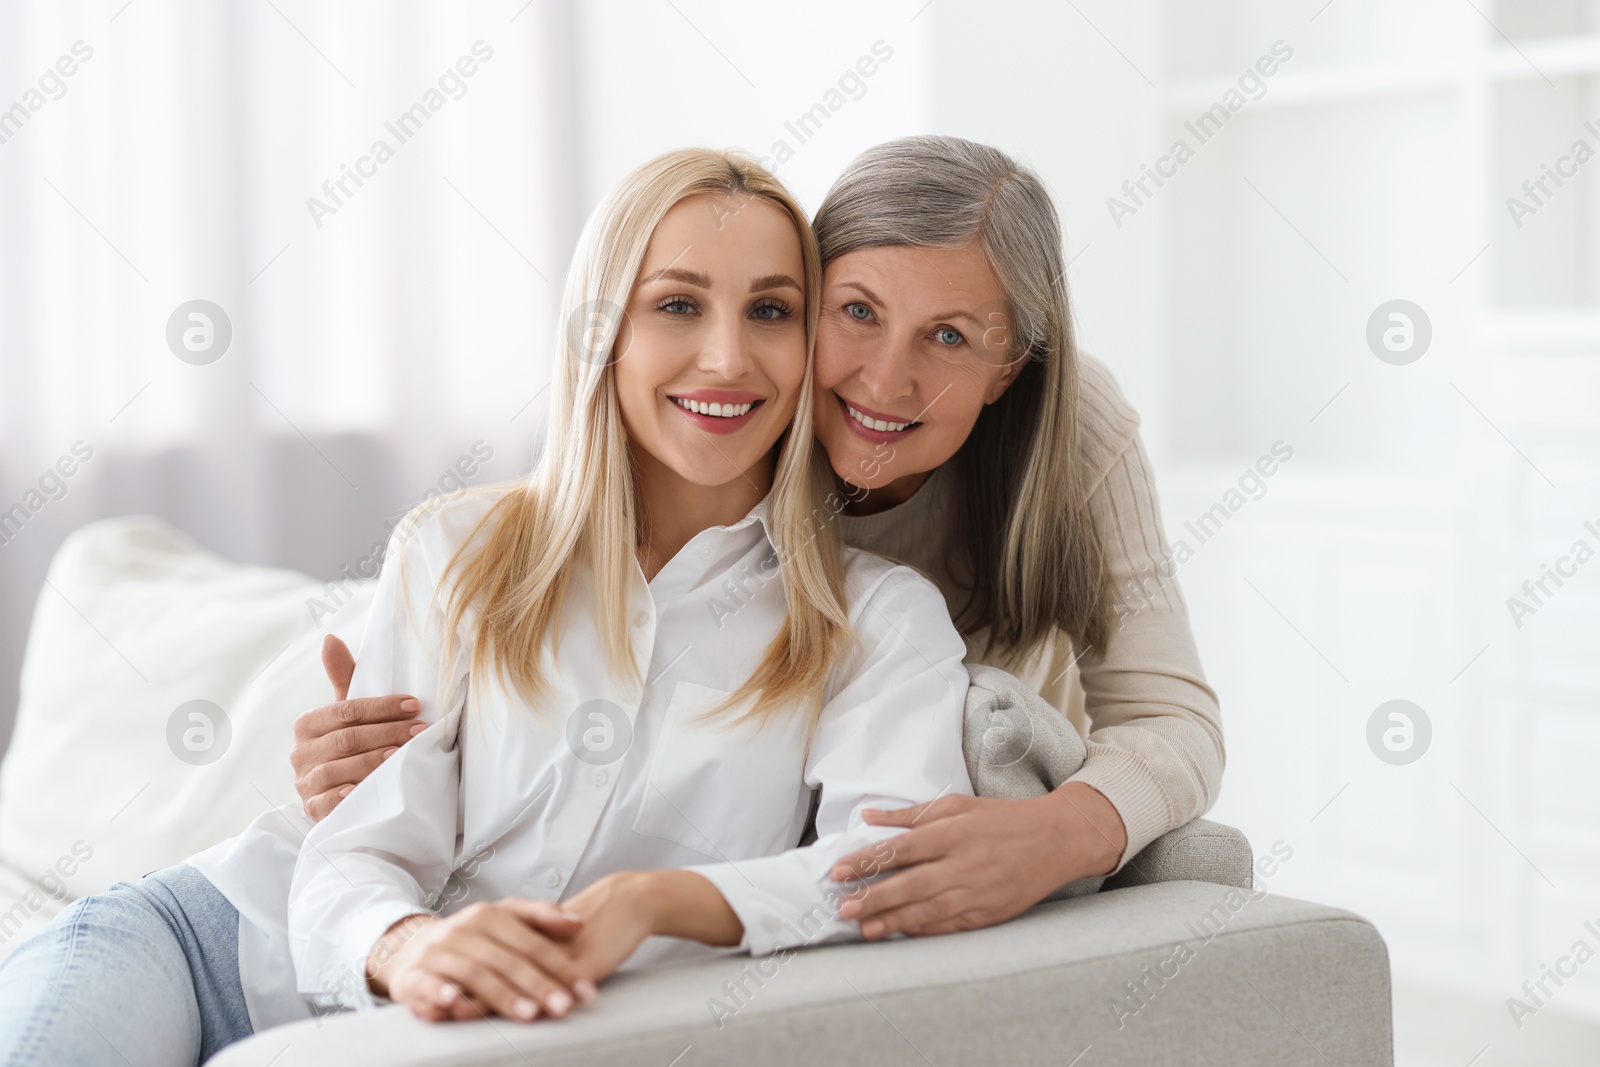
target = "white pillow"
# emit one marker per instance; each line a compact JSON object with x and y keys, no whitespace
{"x":134,"y":621}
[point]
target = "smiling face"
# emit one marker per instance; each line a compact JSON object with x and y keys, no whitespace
{"x":713,"y":346}
{"x":912,"y":343}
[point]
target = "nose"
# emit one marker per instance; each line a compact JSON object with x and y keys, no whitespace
{"x":723,"y":351}
{"x":888,"y":370}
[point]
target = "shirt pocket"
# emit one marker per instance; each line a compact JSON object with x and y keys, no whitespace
{"x":726,"y":791}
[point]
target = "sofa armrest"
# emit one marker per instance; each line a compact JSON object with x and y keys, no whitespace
{"x":1197,"y":851}
{"x":1181,"y":972}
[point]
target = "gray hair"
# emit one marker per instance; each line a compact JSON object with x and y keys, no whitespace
{"x":1037,"y":568}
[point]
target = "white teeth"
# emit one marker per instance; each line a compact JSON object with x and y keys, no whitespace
{"x":721,"y":411}
{"x":875,"y":424}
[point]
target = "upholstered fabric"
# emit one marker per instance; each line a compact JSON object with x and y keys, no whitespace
{"x":1267,"y":981}
{"x":110,"y":775}
{"x":1198,"y":851}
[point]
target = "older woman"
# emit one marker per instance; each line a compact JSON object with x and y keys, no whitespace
{"x":970,"y":438}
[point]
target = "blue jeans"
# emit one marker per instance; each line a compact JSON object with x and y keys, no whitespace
{"x":144,"y":973}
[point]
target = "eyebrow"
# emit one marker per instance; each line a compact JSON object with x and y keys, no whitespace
{"x":868,"y":293}
{"x":774,"y":281}
{"x":875,"y":298}
{"x":692,"y":277}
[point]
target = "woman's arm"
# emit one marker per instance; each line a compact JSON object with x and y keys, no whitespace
{"x":370,"y":874}
{"x":620,"y":910}
{"x":1155,"y":745}
{"x":1155,"y":751}
{"x":969,"y":862}
{"x":889,"y":737}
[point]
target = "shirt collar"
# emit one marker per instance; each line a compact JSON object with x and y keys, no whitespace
{"x":757,"y":522}
{"x":760,"y":513}
{"x":689,"y":567}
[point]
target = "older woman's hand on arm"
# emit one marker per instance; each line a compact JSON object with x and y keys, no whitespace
{"x":337,"y":745}
{"x":969,"y":862}
{"x":1155,"y":750}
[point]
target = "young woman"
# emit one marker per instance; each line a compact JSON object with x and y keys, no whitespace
{"x":634,"y":667}
{"x":973,"y":440}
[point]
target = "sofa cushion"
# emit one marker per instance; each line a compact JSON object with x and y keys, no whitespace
{"x":159,"y":687}
{"x":1266,"y":980}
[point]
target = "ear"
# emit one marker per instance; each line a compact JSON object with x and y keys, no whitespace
{"x":1012,"y":371}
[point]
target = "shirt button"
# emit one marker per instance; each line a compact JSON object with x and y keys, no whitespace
{"x":641,"y":618}
{"x":705,"y":551}
{"x":600,"y":777}
{"x":552,"y":879}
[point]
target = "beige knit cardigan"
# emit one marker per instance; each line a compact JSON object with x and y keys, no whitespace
{"x":1151,"y":723}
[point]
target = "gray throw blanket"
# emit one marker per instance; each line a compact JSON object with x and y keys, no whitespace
{"x":1018,"y":746}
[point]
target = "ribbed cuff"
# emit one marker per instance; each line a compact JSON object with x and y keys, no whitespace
{"x":1134,"y":790}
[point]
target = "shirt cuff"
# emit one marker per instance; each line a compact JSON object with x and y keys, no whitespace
{"x":782,"y":901}
{"x":348,"y":987}
{"x":1134,"y":790}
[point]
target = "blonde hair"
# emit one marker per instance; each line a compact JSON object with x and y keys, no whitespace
{"x":1023,"y":528}
{"x":577,"y":506}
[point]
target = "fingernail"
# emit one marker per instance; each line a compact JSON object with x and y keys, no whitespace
{"x":389,"y":752}
{"x":410,"y":704}
{"x":345,"y":791}
{"x":840,"y":873}
{"x":872,"y":929}
{"x":571,"y":915}
{"x":558,"y":1002}
{"x":586,"y":990}
{"x":448,"y":993}
{"x":525,"y":1008}
{"x":417,"y":729}
{"x":848,"y":909}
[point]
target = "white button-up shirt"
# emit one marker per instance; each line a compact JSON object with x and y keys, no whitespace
{"x":599,"y":775}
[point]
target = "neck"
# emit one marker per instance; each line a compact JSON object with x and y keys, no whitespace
{"x":882,"y":498}
{"x":673,"y":509}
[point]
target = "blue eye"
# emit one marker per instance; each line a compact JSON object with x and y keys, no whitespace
{"x":771,"y":312}
{"x":676,"y":306}
{"x":858,"y":311}
{"x":947,"y":335}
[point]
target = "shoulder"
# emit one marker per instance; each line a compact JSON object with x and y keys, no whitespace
{"x":875,"y":587}
{"x":1107,"y":424}
{"x":902,"y":631}
{"x":434,"y":530}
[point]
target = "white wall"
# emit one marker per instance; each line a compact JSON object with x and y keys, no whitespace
{"x":1233,"y":305}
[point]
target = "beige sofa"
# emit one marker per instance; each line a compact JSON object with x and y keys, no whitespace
{"x":1175,"y":960}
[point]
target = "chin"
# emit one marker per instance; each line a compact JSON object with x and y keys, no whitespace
{"x":852,"y":474}
{"x":712,"y":470}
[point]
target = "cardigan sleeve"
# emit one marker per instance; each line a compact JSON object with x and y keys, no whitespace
{"x":1155,"y":745}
